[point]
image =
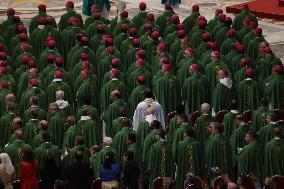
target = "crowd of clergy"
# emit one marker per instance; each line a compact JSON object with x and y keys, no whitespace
{"x":103,"y":85}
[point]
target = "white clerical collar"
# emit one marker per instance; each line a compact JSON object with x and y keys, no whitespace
{"x":56,"y":80}
{"x":33,"y":119}
{"x":34,"y":87}
{"x":276,"y":138}
{"x":62,"y":103}
{"x":83,"y":118}
{"x":114,"y":79}
{"x":235,"y":111}
{"x":273,"y":123}
{"x":34,"y":106}
{"x":41,"y":26}
{"x":242,"y":123}
{"x":248,"y":79}
{"x":149,"y":118}
{"x":227,"y":82}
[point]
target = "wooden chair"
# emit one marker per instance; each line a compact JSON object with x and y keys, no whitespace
{"x":170,"y":116}
{"x":217,"y":182}
{"x":279,"y":114}
{"x":278,"y":181}
{"x":97,"y":184}
{"x":220,"y":116}
{"x":193,"y":117}
{"x":163,"y":182}
{"x":197,"y":181}
{"x":247,"y":116}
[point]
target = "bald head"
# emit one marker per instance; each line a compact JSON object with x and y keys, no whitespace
{"x":115,"y":94}
{"x":43,"y":124}
{"x":205,"y":108}
{"x":71,"y":120}
{"x":10,"y":98}
{"x":17,"y":123}
{"x":19,"y":134}
{"x":33,"y":101}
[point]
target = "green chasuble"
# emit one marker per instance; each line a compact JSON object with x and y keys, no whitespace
{"x":246,"y":159}
{"x":238,"y":20}
{"x":117,"y":41}
{"x":94,"y":111}
{"x":63,"y":23}
{"x":253,"y":47}
{"x":189,"y":159}
{"x":34,"y":91}
{"x":55,"y":86}
{"x":167,"y":92}
{"x":265,"y":134}
{"x":148,"y":142}
{"x":139,"y":19}
{"x":142,"y":132}
{"x":221,"y":97}
{"x":190,"y":21}
{"x":87,"y":87}
{"x":275,"y":91}
{"x":229,"y":119}
{"x":8,"y":22}
{"x":195,"y":91}
{"x":69,"y":38}
{"x":211,"y":72}
{"x":273,"y":158}
{"x":95,"y":164}
{"x":177,"y":137}
{"x":69,"y":157}
{"x":116,"y":125}
{"x":107,"y":77}
{"x":34,"y":21}
{"x":69,"y":137}
{"x":227,"y":45}
{"x":90,"y":130}
{"x":258,"y":118}
{"x":133,"y":148}
{"x":201,"y":131}
{"x":183,"y":73}
{"x":119,"y":142}
{"x":30,"y":130}
{"x":234,"y":64}
{"x":111,"y":113}
{"x":172,"y":126}
{"x":116,"y":31}
{"x":263,"y":69}
{"x":132,"y":79}
{"x":163,"y":21}
{"x":56,"y":127}
{"x":14,"y":151}
{"x":135,"y":97}
{"x":237,"y":139}
{"x":217,"y":154}
{"x":3,"y":94}
{"x":37,"y":139}
{"x":160,"y":162}
{"x":106,"y":90}
{"x":247,"y":95}
{"x":27,"y":114}
{"x":46,"y":150}
{"x":73,"y":57}
{"x":5,"y":127}
{"x":150,"y":48}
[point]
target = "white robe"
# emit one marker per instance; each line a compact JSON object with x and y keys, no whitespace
{"x":139,"y":115}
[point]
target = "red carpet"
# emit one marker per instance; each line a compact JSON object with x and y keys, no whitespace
{"x":261,"y":8}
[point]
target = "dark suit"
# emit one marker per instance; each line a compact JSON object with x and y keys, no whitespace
{"x":131,"y":174}
{"x":79,"y":175}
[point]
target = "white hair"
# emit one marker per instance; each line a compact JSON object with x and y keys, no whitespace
{"x":205,"y":108}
